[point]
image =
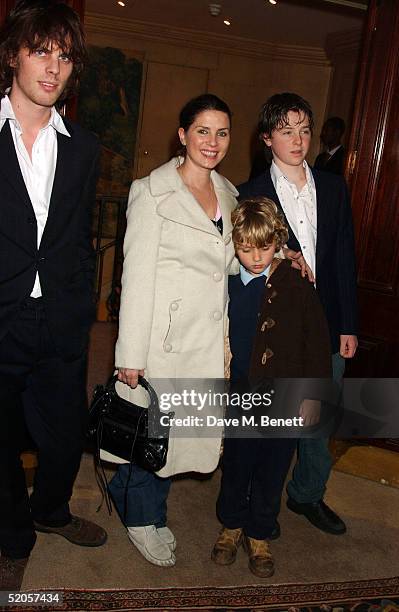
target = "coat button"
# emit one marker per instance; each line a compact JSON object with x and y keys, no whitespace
{"x":174,"y":306}
{"x":227,"y":240}
{"x":268,"y":324}
{"x":31,"y":220}
{"x":167,"y":348}
{"x":217,"y":315}
{"x":217,"y":277}
{"x":267,"y":355}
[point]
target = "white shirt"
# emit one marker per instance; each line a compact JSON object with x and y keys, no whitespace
{"x":38,"y":172}
{"x":300,"y":209}
{"x":334,"y":150}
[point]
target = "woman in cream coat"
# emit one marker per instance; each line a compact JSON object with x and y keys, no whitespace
{"x":178,"y":252}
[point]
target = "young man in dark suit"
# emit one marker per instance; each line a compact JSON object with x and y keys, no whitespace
{"x":47,"y":184}
{"x":317,"y":211}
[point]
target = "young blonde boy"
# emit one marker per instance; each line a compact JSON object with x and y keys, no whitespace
{"x":277,"y":330}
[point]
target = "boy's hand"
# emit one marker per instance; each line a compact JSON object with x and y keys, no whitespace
{"x":298,"y":262}
{"x":348,"y":346}
{"x":310,"y":412}
{"x":129,"y":376}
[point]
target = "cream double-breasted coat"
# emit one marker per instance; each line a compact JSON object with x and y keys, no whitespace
{"x":174,"y":294}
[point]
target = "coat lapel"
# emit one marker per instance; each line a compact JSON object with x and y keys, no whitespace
{"x":226,"y":195}
{"x":322,"y":196}
{"x":177,"y":204}
{"x":9,"y":167}
{"x":270,"y":191}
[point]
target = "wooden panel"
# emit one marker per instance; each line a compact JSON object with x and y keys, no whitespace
{"x":374,"y":159}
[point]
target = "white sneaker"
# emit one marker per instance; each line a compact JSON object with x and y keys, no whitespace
{"x":167,"y":537}
{"x":148,"y":541}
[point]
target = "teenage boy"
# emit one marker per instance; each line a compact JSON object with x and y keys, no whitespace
{"x":47,"y":186}
{"x":317,"y":211}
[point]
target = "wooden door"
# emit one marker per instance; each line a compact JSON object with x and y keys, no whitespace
{"x":167,"y":89}
{"x":372,"y":172}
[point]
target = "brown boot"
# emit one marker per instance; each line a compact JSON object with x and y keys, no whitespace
{"x":11,"y":573}
{"x":79,"y":531}
{"x":225,"y":550}
{"x":261,"y":562}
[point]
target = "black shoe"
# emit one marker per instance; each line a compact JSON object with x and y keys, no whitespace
{"x":275,"y":533}
{"x":320,"y":515}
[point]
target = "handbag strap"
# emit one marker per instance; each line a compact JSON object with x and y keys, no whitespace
{"x":99,"y":468}
{"x":143,"y":382}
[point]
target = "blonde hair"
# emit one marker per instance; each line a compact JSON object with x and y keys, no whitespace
{"x":258,"y":222}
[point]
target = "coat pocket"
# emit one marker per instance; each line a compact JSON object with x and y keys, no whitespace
{"x":172,"y":340}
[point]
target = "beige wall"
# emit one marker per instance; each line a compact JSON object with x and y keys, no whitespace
{"x":242,"y":72}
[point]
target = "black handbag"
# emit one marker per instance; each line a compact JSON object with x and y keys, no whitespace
{"x":122,"y":428}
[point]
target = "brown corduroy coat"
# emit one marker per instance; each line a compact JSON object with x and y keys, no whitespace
{"x":292,"y":338}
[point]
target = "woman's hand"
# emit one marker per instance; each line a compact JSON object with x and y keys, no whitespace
{"x":298,"y":262}
{"x":310,"y":412}
{"x":129,"y":376}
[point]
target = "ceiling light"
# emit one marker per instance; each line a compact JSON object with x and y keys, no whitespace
{"x":226,"y":22}
{"x":121,"y":3}
{"x":273,"y":1}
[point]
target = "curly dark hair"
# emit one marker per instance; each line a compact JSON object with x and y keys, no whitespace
{"x":274,"y":112}
{"x":39,"y":23}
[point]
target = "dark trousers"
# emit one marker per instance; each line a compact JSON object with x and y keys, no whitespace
{"x":254,"y":471}
{"x":314,"y":462}
{"x":42,"y":393}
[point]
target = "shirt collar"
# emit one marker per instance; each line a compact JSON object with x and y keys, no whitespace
{"x":7,"y":113}
{"x":246,"y":277}
{"x":277,"y":174}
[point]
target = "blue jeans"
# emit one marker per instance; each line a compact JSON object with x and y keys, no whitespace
{"x":314,"y":462}
{"x":146,"y":496}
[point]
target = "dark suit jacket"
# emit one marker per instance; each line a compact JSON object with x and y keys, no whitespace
{"x":65,"y":260}
{"x":335,"y":163}
{"x":335,"y":249}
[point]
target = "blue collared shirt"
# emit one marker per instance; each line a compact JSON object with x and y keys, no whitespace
{"x":246,"y":276}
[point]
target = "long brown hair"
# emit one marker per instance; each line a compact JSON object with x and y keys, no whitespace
{"x":40,"y":23}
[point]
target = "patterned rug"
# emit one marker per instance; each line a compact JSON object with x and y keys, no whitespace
{"x":361,"y":596}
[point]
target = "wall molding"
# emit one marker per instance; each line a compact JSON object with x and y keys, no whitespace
{"x":130,"y":30}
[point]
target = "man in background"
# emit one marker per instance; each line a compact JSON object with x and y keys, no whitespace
{"x":333,"y":158}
